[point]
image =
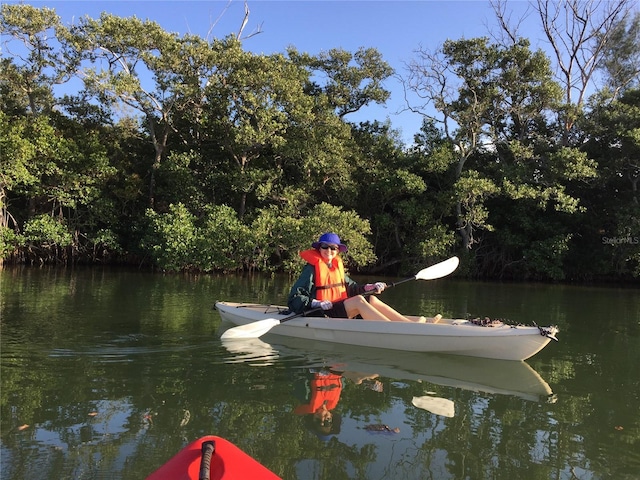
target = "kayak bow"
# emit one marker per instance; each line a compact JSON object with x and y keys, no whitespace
{"x":212,"y":458}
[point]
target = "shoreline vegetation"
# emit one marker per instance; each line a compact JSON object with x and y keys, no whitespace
{"x":127,"y":145}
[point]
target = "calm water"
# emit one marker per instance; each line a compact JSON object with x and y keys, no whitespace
{"x":106,"y":374}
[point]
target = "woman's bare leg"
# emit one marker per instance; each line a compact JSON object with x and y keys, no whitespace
{"x":358,"y":305}
{"x":386,"y":310}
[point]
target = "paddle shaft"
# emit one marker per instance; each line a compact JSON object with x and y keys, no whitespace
{"x":401,"y":281}
{"x":301,"y":314}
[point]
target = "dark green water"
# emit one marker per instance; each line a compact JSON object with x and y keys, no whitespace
{"x":106,"y":374}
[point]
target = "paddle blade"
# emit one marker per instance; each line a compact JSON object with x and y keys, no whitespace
{"x":438,"y":270}
{"x":251,"y":330}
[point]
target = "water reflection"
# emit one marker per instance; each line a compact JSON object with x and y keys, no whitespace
{"x":371,"y":399}
{"x":318,"y":391}
{"x":252,"y":351}
{"x":436,"y":405}
{"x":107,"y":376}
{"x":473,"y":374}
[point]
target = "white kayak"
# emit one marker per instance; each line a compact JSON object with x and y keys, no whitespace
{"x":457,"y":337}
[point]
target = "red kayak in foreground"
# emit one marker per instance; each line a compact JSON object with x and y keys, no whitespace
{"x":212,"y":458}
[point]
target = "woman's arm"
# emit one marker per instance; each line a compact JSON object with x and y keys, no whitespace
{"x":303,"y":291}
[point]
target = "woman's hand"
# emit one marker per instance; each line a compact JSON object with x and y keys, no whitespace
{"x":324,"y":304}
{"x":378,"y":287}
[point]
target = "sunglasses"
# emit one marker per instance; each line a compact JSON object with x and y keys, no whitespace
{"x":324,"y":246}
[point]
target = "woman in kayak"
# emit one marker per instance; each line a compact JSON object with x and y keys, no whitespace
{"x":323,"y":284}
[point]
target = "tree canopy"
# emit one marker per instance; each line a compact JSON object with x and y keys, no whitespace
{"x":184,"y":153}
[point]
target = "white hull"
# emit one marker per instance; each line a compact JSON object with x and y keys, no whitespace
{"x":456,"y":337}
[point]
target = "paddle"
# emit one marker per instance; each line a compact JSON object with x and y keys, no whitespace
{"x":259,"y":328}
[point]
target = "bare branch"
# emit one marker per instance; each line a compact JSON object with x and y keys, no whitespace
{"x":244,"y":20}
{"x":507,"y":27}
{"x":212,"y":26}
{"x":578,"y":33}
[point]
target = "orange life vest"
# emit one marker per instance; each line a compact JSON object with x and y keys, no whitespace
{"x":325,"y":389}
{"x":329,"y":281}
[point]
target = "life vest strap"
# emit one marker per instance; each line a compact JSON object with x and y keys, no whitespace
{"x":333,"y":285}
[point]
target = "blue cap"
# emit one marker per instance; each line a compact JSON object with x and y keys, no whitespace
{"x":331,"y":238}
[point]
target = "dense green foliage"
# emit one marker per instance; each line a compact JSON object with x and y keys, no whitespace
{"x":183,"y":154}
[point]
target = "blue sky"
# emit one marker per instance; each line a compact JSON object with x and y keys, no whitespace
{"x":395,"y":28}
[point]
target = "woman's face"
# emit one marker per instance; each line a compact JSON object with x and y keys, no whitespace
{"x":323,"y":417}
{"x":328,"y":251}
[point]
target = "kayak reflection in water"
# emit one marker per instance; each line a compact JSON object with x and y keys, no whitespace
{"x":321,"y":392}
{"x":324,"y":284}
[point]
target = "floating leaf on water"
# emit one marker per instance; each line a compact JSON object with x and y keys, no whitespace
{"x":185,"y":418}
{"x":619,"y":428}
{"x":93,"y":414}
